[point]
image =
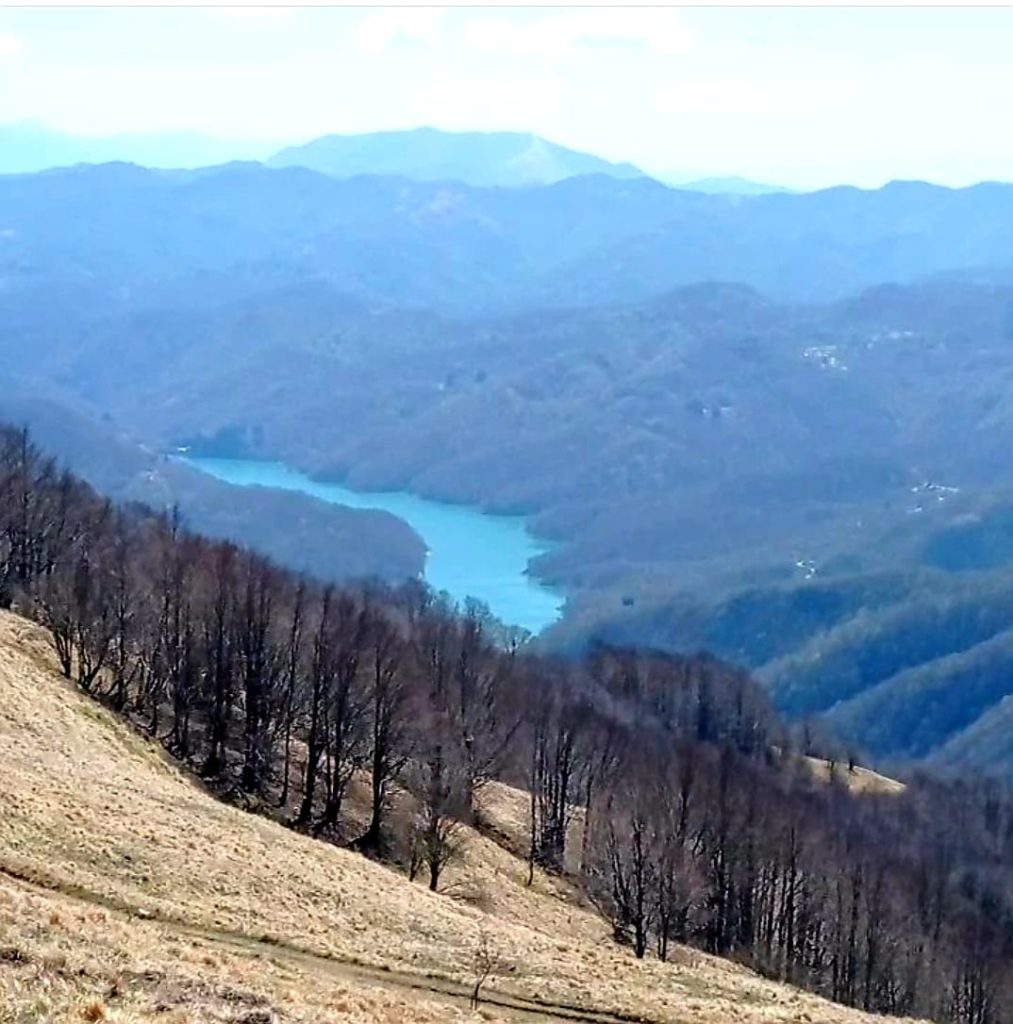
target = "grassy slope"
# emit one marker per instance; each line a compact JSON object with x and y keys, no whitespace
{"x":124,"y":887}
{"x":859,"y":780}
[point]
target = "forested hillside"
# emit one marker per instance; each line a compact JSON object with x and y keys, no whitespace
{"x":664,"y":785}
{"x":505,"y":515}
{"x":700,"y":451}
{"x":98,"y":230}
{"x":905,"y":667}
{"x":128,"y":893}
{"x":336,"y":542}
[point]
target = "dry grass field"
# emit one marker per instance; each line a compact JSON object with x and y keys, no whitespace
{"x":129,"y":894}
{"x":858,"y":780}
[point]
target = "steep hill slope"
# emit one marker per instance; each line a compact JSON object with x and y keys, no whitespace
{"x":915,"y":711}
{"x":330,"y":541}
{"x":127,"y":893}
{"x":984,"y":746}
{"x":905,"y":665}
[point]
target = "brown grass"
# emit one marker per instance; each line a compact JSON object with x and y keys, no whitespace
{"x":859,"y":780}
{"x":77,"y":963}
{"x":153,"y":886}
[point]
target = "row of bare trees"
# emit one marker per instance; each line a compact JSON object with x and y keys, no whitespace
{"x":666,"y":785}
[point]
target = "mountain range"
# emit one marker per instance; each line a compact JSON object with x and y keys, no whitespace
{"x":507,"y":159}
{"x":427,"y":154}
{"x":422,"y":154}
{"x":775,"y":426}
{"x":592,"y":240}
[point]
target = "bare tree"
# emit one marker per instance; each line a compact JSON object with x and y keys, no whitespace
{"x":346,"y":729}
{"x":485,"y":963}
{"x":388,"y":696}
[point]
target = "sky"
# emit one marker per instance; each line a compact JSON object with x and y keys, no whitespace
{"x":803,"y":97}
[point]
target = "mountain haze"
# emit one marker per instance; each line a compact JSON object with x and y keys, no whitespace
{"x":732,"y":185}
{"x":429,"y":154}
{"x":736,"y":416}
{"x":28,"y":146}
{"x":506,"y":515}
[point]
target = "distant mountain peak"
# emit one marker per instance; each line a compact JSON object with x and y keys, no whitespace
{"x":729,"y":185}
{"x":431,"y":154}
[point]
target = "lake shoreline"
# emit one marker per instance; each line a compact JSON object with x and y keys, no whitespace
{"x":470,"y":552}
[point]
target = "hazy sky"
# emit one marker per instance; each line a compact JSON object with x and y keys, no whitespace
{"x":798,"y":96}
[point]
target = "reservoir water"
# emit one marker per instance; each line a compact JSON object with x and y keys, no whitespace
{"x":470,"y":553}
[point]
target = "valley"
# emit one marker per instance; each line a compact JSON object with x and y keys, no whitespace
{"x":506,"y":515}
{"x":685,"y":452}
{"x":380,"y":739}
{"x":470,"y":554}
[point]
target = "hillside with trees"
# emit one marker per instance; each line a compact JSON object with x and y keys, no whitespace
{"x":505,"y":515}
{"x":128,"y":893}
{"x":905,"y":667}
{"x":699,"y":451}
{"x":664,"y":786}
{"x":333,"y":541}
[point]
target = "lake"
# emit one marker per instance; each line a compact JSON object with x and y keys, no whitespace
{"x":471,"y":553}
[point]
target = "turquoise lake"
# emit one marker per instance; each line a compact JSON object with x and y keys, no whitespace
{"x":471,"y":553}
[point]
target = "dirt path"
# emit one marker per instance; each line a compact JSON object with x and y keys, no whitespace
{"x":510,"y":1005}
